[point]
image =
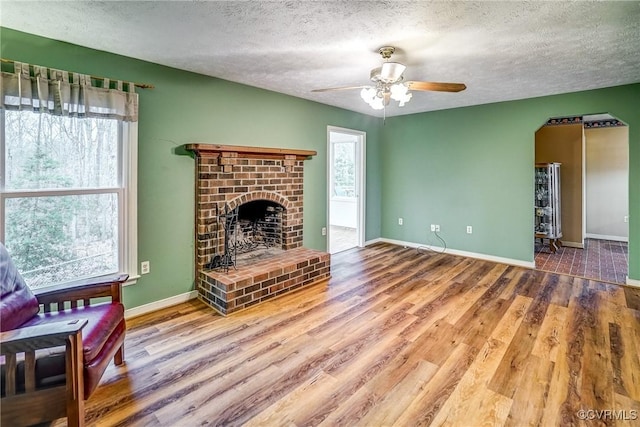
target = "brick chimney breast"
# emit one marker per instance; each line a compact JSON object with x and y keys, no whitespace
{"x":231,"y":176}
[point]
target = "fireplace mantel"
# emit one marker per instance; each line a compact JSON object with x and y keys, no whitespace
{"x":215,"y":150}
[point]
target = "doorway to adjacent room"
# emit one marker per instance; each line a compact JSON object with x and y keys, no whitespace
{"x":594,"y":154}
{"x":346,"y":188}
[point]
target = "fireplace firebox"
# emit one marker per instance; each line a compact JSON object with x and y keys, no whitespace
{"x":252,"y":231}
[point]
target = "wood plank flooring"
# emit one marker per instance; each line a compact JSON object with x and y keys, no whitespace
{"x":397,"y":337}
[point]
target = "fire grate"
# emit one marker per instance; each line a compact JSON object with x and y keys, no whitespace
{"x":250,"y":234}
{"x":248,"y":228}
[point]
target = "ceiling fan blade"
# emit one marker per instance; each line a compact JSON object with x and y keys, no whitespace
{"x":435,"y":86}
{"x":328,"y":89}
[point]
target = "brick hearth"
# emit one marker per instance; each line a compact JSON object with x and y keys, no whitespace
{"x":227,"y":177}
{"x":259,"y":282}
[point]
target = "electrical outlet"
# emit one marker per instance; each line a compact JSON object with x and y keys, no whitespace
{"x":145,"y":267}
{"x":400,"y":221}
{"x":324,"y":231}
{"x":469,"y":229}
{"x":435,"y":227}
{"x":626,"y":218}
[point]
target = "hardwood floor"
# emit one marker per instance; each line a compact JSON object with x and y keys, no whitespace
{"x":396,"y":337}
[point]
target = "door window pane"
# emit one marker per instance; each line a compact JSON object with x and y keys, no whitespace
{"x":344,"y":169}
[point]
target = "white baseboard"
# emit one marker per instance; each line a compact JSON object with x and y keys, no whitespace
{"x":606,"y":237}
{"x":157,"y":305}
{"x":484,"y":257}
{"x":633,"y":282}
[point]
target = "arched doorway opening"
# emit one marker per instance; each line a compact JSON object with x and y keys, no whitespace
{"x":593,"y":151}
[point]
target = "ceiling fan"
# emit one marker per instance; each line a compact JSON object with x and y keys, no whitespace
{"x":388,"y":84}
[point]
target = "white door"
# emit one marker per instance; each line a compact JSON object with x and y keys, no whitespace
{"x":346,"y":188}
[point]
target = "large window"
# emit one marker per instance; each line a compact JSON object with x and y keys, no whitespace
{"x":67,"y":197}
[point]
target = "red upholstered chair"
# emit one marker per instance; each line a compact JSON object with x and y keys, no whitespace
{"x":55,"y":343}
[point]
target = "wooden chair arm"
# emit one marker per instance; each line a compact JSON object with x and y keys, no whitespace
{"x":36,"y":337}
{"x":34,"y":405}
{"x":105,"y":286}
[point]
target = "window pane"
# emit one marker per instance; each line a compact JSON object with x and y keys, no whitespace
{"x":62,"y":238}
{"x":45,"y":151}
{"x":344,"y":169}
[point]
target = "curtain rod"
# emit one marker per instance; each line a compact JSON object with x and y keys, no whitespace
{"x":140,"y":85}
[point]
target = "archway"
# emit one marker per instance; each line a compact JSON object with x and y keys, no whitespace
{"x":594,"y":153}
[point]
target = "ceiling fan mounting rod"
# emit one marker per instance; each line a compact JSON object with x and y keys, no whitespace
{"x":386,"y":51}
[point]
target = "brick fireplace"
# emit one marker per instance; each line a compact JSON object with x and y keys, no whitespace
{"x":241,"y":192}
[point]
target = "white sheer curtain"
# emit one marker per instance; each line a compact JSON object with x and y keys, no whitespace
{"x":69,"y":94}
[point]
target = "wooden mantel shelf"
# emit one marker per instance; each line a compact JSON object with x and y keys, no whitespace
{"x":215,"y":150}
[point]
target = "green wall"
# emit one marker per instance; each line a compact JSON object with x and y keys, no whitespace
{"x":459,"y":167}
{"x":185,"y":108}
{"x":473,"y":166}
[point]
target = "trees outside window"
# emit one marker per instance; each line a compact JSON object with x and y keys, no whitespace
{"x":344,"y":166}
{"x":63,"y":195}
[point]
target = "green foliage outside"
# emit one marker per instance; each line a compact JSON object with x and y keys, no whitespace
{"x":344,"y":164}
{"x":36,"y":226}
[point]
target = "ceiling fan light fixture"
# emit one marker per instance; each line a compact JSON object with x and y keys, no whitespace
{"x":372,"y":96}
{"x":378,"y":97}
{"x":368,"y":93}
{"x":400,"y":92}
{"x":377,"y":103}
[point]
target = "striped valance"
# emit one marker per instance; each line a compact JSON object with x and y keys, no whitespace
{"x":63,"y":93}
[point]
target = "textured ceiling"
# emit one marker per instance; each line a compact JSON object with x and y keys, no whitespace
{"x":500,"y":50}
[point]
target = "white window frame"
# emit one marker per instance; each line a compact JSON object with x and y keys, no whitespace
{"x":127,"y":193}
{"x":129,"y":248}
